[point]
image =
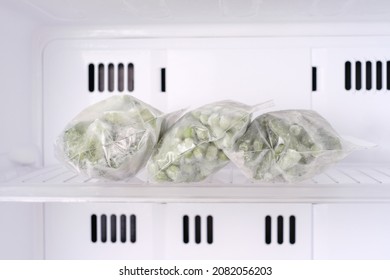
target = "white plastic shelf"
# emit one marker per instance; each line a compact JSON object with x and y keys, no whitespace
{"x":339,"y":184}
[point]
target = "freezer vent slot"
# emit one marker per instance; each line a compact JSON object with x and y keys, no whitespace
{"x":110,"y":77}
{"x":196,"y":225}
{"x":113,"y":228}
{"x":163,"y":80}
{"x":280,"y":229}
{"x":314,"y":78}
{"x":367,"y":75}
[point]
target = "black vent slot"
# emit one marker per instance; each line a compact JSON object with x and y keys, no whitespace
{"x":101,"y":77}
{"x":113,"y":228}
{"x":111,"y":74}
{"x":91,"y":78}
{"x":123,"y":228}
{"x":348,"y":81}
{"x":268,"y":224}
{"x":378,"y":75}
{"x":133,"y":229}
{"x":163,"y":79}
{"x":110,"y":77}
{"x":280,"y":229}
{"x":117,"y":228}
{"x":209,"y":229}
{"x":94,"y":228}
{"x":186,"y":229}
{"x":314,"y":78}
{"x":103,"y":227}
{"x":197,"y":230}
{"x":197,"y":227}
{"x":368,"y":75}
{"x":358,"y":75}
{"x":388,"y":75}
{"x":121,"y":77}
{"x":292,"y":229}
{"x":130,"y":77}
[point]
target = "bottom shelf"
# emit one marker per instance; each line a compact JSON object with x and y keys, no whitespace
{"x":340,"y":183}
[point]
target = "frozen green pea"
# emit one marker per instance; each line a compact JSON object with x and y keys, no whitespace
{"x":187,"y":168}
{"x":244,"y":147}
{"x":218,"y":132}
{"x":267,"y":161}
{"x":161,"y":176}
{"x":188,"y":132}
{"x":225,"y":122}
{"x":196,"y":114}
{"x":146,"y":115}
{"x":213,"y":120}
{"x":182,"y":147}
{"x":279,"y":149}
{"x":226,"y":142}
{"x":204,"y":119}
{"x":173,"y":172}
{"x":189,"y":143}
{"x":222,"y":156}
{"x":115,"y":118}
{"x":257,"y":145}
{"x":188,"y":154}
{"x":202,"y":134}
{"x":295,"y":129}
{"x":289,"y":159}
{"x":198,"y":153}
{"x":212,"y":153}
{"x":306,"y":140}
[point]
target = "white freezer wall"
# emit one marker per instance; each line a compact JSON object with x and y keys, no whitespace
{"x":17,"y":104}
{"x":21,"y":231}
{"x":177,"y":231}
{"x":322,"y":231}
{"x":351,"y":231}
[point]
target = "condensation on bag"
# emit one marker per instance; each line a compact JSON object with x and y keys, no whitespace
{"x":112,"y":139}
{"x":288,"y":146}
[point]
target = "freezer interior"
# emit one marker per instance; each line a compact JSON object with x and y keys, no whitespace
{"x":57,"y":57}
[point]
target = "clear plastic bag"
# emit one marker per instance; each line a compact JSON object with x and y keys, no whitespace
{"x":288,"y":146}
{"x":193,"y":148}
{"x":112,"y":139}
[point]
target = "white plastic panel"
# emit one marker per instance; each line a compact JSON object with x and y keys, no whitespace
{"x":69,"y":231}
{"x":351,"y":231}
{"x":238,"y":231}
{"x":21,"y":230}
{"x":15,"y":92}
{"x":249,"y":75}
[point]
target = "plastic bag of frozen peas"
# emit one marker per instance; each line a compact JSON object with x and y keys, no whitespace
{"x":193,"y":148}
{"x":112,"y":139}
{"x":288,"y":146}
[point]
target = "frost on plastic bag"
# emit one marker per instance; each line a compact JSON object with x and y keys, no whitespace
{"x":111,"y":139}
{"x":192,"y":149}
{"x":288,"y":146}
